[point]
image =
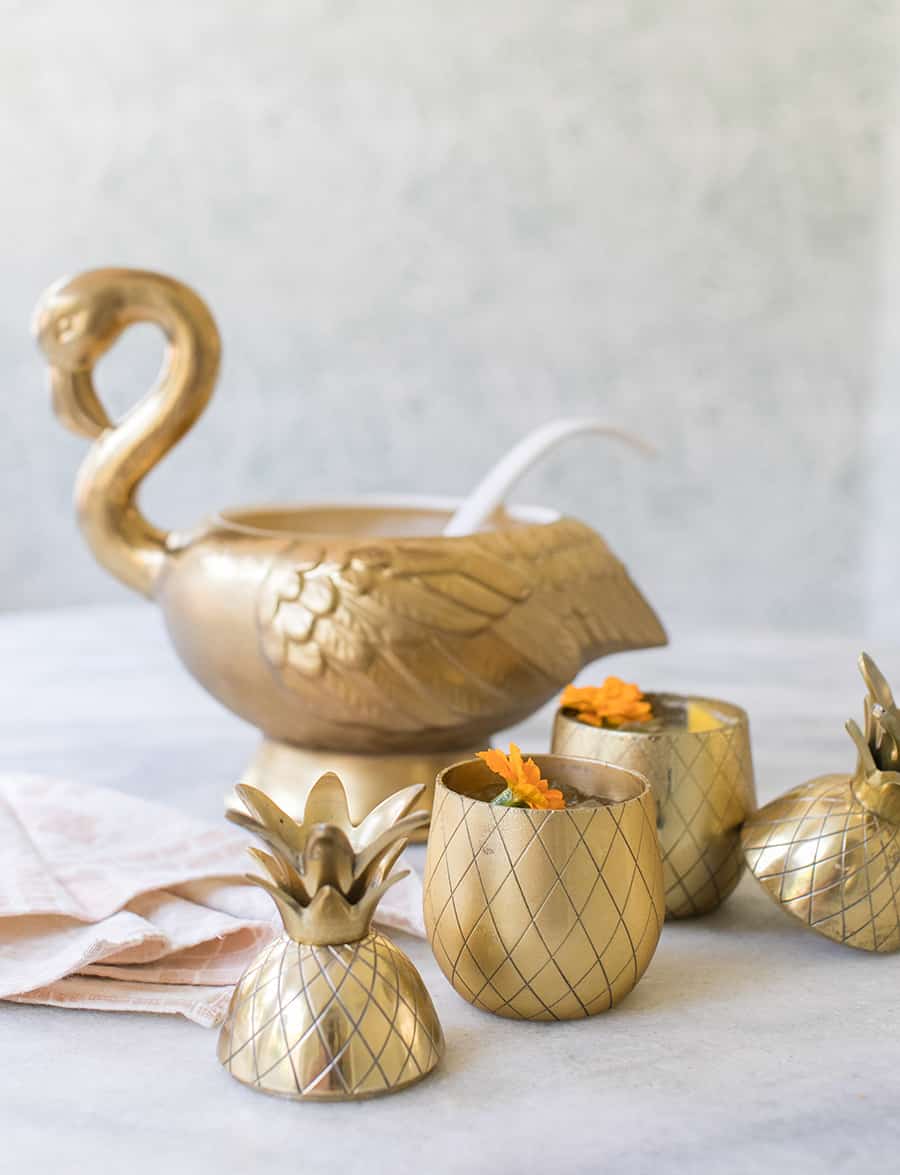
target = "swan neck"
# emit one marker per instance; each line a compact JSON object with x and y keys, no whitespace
{"x":122,"y":539}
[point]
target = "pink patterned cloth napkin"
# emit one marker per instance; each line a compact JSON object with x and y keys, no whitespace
{"x":111,"y":902}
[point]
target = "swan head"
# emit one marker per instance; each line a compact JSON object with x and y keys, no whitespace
{"x":75,"y":322}
{"x":77,"y":319}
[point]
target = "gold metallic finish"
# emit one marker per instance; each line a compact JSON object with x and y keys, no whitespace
{"x":358,"y":628}
{"x":544,"y":915}
{"x":331,"y":1010}
{"x":76,"y":323}
{"x":286,"y":772}
{"x":698,"y":762}
{"x":828,"y":851}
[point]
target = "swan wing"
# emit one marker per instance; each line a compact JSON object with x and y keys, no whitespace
{"x":424,"y":635}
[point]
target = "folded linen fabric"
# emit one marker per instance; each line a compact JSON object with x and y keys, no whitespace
{"x":112,"y":902}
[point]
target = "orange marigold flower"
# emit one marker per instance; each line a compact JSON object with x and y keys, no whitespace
{"x":523,"y":780}
{"x":611,"y":704}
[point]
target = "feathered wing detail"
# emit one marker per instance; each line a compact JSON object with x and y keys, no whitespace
{"x":424,"y":636}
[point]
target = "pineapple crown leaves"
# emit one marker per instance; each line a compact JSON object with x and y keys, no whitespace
{"x":882,"y":716}
{"x":325,"y":874}
{"x":877,"y":779}
{"x":327,"y":804}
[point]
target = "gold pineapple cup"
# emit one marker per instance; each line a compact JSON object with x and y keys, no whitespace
{"x":828,"y":851}
{"x":543,"y":915}
{"x":357,"y":637}
{"x":330,"y":1010}
{"x":696,"y":755}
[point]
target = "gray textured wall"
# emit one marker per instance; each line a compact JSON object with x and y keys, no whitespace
{"x":425,"y":228}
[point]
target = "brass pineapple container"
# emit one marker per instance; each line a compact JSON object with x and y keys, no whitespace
{"x":330,"y":1010}
{"x":543,"y":915}
{"x":357,"y":636}
{"x":828,"y":851}
{"x":696,"y":755}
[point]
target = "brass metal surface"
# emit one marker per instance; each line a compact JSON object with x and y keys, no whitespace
{"x":286,"y":773}
{"x":76,"y":322}
{"x":541,"y":914}
{"x":331,"y":1023}
{"x":357,"y":628}
{"x":701,"y":771}
{"x":828,"y":851}
{"x":331,"y":1010}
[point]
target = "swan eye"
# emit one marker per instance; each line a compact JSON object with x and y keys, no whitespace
{"x":69,"y":326}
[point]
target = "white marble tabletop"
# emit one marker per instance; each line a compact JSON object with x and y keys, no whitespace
{"x":750,"y":1045}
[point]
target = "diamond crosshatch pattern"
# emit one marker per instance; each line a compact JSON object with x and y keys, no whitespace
{"x":543,"y":915}
{"x":830,"y":862}
{"x":703,"y":784}
{"x":321,"y":1021}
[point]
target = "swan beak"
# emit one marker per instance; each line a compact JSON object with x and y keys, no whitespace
{"x":75,"y":402}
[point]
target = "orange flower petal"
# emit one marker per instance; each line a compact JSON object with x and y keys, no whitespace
{"x":523,"y":777}
{"x":498,"y":763}
{"x":610,"y":704}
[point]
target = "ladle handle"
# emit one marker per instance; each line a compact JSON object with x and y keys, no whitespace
{"x":492,"y":490}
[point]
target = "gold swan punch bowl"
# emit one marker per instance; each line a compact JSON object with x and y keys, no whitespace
{"x":356,"y":637}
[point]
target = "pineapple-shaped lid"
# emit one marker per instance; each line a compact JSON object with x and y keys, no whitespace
{"x":330,"y":1010}
{"x":829,"y":850}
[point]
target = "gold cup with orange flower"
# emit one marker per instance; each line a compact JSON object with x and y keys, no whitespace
{"x":543,"y":883}
{"x":695,"y":752}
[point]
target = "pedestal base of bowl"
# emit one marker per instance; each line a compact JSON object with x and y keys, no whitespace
{"x":286,"y":772}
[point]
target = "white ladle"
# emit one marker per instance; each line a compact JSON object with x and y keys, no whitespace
{"x":491,"y":491}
